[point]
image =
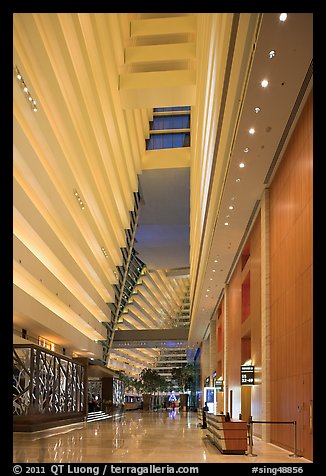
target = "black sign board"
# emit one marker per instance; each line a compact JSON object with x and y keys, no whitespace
{"x":247,"y":375}
{"x":219,"y":385}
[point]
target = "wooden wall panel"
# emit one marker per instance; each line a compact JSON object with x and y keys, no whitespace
{"x":234,"y":339}
{"x":291,"y":195}
{"x":250,"y":328}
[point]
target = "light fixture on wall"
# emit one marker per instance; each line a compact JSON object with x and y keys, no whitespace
{"x":81,"y":203}
{"x":30,"y":99}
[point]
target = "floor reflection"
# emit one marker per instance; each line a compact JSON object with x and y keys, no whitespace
{"x":137,"y":437}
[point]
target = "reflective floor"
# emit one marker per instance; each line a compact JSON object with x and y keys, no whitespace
{"x":136,"y":437}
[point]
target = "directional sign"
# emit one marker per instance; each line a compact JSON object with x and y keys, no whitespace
{"x":247,"y":375}
{"x":219,"y":385}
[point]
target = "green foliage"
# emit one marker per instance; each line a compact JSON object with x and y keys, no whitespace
{"x":130,"y":383}
{"x":137,"y":384}
{"x":183,"y":376}
{"x":152,"y":381}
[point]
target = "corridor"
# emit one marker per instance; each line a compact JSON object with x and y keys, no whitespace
{"x":135,"y":437}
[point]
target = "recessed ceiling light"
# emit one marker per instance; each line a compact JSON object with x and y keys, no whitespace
{"x":251,"y":131}
{"x":226,"y":223}
{"x":231,"y":207}
{"x":271,"y":54}
{"x":257,"y":110}
{"x":246,"y":150}
{"x":264,"y":83}
{"x":283,"y":16}
{"x":241,"y":165}
{"x":211,"y":279}
{"x":238,"y":180}
{"x":206,"y":295}
{"x":215,"y":260}
{"x":214,"y":270}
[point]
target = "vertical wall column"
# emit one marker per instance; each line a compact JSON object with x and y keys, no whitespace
{"x":265,"y":314}
{"x":204,"y":364}
{"x":226,"y":348}
{"x":212,"y":348}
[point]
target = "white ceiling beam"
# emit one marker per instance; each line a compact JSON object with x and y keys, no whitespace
{"x":158,"y":89}
{"x":163,"y":26}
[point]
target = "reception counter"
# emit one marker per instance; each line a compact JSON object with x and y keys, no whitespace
{"x":230,"y":437}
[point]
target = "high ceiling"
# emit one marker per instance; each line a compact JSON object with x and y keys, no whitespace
{"x":81,"y":156}
{"x":162,"y":237}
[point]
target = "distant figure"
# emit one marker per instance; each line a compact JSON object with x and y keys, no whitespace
{"x":205,"y":409}
{"x":172,"y":400}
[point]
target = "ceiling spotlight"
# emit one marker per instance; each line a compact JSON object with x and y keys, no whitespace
{"x":271,"y":54}
{"x":215,"y":260}
{"x":264,"y":83}
{"x":251,"y":131}
{"x":231,"y":207}
{"x":226,"y":223}
{"x":246,"y":150}
{"x":237,"y":180}
{"x":257,"y":110}
{"x":241,"y":165}
{"x":283,"y":16}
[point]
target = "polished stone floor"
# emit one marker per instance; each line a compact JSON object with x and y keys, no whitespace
{"x":136,"y":437}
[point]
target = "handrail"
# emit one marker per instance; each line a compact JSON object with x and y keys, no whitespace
{"x":294,"y":423}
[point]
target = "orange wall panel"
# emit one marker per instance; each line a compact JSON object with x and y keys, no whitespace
{"x":249,"y":331}
{"x":291,"y":288}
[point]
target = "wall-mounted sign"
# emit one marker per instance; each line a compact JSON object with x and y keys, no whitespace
{"x":219,"y":385}
{"x":247,"y":375}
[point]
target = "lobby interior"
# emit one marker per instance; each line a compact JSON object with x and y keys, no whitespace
{"x":162,"y":214}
